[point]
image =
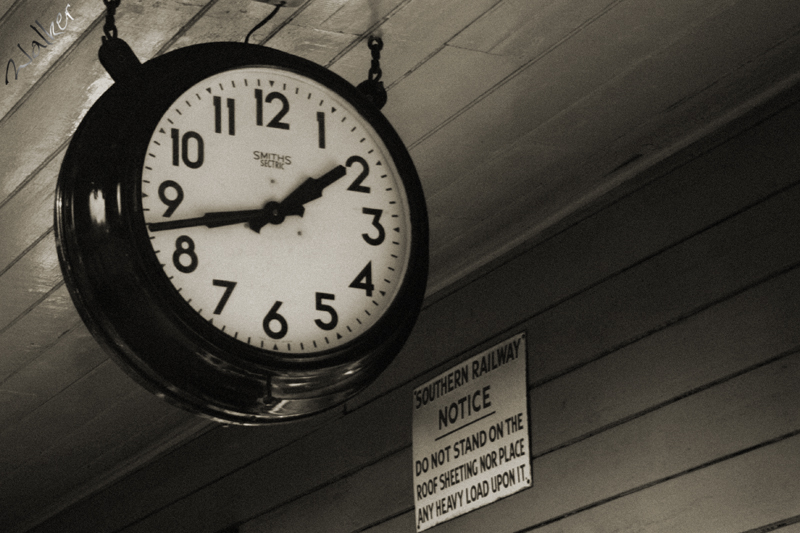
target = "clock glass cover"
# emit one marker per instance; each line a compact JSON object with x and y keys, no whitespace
{"x":275,"y":211}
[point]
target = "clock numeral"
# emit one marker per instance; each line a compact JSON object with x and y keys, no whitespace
{"x":231,"y":103}
{"x":364,"y":280}
{"x":321,"y":129}
{"x":273,"y":316}
{"x":259,"y":107}
{"x":356,"y":185}
{"x":229,"y":285}
{"x":334,"y":320}
{"x":171,"y":203}
{"x":184,"y":246}
{"x":276,"y":120}
{"x":376,"y":216}
{"x":180,"y":149}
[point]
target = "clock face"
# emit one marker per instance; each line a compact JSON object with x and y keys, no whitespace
{"x":275,"y":211}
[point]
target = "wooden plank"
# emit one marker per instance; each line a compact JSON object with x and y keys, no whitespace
{"x":316,"y":45}
{"x":69,"y":21}
{"x":690,"y":433}
{"x":29,"y":280}
{"x":653,"y":218}
{"x":439,"y":163}
{"x":52,"y":372}
{"x":793,"y":528}
{"x":45,"y":465}
{"x":354,"y":17}
{"x":443,"y":85}
{"x":77,"y":405}
{"x":736,"y":393}
{"x":189,"y":468}
{"x":741,"y":494}
{"x":69,"y":89}
{"x":6,"y":8}
{"x":751,"y":84}
{"x":761,"y":483}
{"x":539,"y":90}
{"x":716,"y":47}
{"x":28,"y":215}
{"x":509,"y":223}
{"x":123,"y":428}
{"x":36,"y":332}
{"x":231,"y":21}
{"x":333,"y":450}
{"x":155,"y":437}
{"x":736,"y":342}
{"x":402,"y":523}
{"x":314,"y":14}
{"x":339,"y":436}
{"x":84,"y":439}
{"x":529,"y":29}
{"x":413,"y":33}
{"x":61,"y":98}
{"x":722,"y":341}
{"x":389,"y":481}
{"x":580,"y":61}
{"x":709,"y":267}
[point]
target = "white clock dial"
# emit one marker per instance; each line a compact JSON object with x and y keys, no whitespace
{"x":269,"y":257}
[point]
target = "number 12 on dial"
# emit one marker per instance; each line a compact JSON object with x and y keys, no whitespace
{"x":303,"y":257}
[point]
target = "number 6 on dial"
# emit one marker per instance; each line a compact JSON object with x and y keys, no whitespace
{"x":243,"y":231}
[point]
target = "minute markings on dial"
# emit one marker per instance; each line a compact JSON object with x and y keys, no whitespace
{"x":353,"y":320}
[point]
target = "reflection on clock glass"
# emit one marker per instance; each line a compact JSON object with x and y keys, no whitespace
{"x":275,"y":211}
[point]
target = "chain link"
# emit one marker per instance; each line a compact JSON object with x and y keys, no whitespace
{"x":375,"y":45}
{"x":372,"y":87}
{"x":110,"y":28}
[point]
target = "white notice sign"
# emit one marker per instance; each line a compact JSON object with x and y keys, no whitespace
{"x":471,"y":435}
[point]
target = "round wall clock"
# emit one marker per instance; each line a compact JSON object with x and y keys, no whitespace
{"x":243,"y":231}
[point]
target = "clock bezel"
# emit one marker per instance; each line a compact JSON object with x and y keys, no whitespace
{"x":108,"y":259}
{"x":252,"y":353}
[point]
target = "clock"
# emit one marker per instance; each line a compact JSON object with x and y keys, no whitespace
{"x":243,"y":231}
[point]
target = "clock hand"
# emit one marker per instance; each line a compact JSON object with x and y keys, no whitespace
{"x":271,"y":213}
{"x":211,"y":220}
{"x":309,"y":190}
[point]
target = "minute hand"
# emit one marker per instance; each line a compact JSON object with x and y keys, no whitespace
{"x":211,"y":220}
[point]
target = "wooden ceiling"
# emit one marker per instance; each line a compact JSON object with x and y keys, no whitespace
{"x":517,"y":113}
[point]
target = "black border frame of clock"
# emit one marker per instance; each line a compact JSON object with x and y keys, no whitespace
{"x":131,"y":308}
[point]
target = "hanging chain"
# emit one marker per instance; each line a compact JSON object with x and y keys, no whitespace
{"x":109,"y":28}
{"x":375,"y":45}
{"x":115,"y":55}
{"x":372,"y":87}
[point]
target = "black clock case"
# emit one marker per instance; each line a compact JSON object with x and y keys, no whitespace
{"x":134,"y":312}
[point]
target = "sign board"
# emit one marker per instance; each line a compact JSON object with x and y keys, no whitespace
{"x":471,"y":435}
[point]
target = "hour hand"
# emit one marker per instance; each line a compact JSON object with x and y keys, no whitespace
{"x":310,"y":189}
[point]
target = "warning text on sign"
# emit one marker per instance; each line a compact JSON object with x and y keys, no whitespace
{"x":471,"y":435}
